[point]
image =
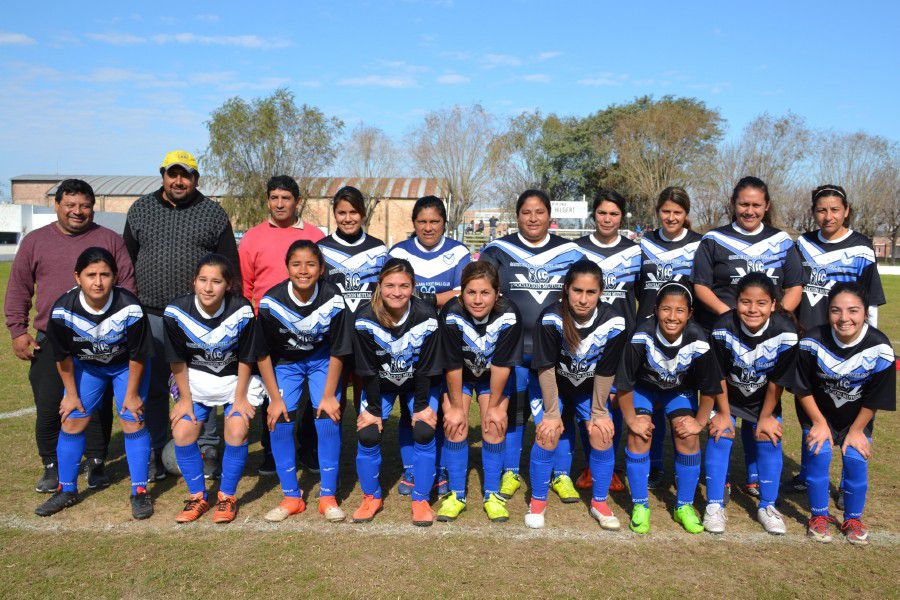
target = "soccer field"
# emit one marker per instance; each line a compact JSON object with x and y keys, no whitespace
{"x":96,"y":548}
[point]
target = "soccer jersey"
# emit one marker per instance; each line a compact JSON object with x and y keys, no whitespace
{"x":112,"y":336}
{"x":727,"y":253}
{"x":602,"y":339}
{"x":437,"y":270}
{"x":293,"y":330}
{"x":652,"y":363}
{"x":475,"y":346}
{"x":353,"y":267}
{"x":751,"y":361}
{"x":845,"y":378}
{"x":663,"y":261}
{"x":621,"y":266}
{"x":850,"y":258}
{"x":531,"y":276}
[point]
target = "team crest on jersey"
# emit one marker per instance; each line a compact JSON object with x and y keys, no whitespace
{"x":670,"y":372}
{"x":827,"y":268}
{"x":398,"y":356}
{"x":671,"y":265}
{"x":306,"y":331}
{"x":106,"y":337}
{"x":843,"y":379}
{"x":581,"y":365}
{"x":618,"y":270}
{"x":754,"y":364}
{"x":217,"y":343}
{"x":480,"y":347}
{"x":359,"y":271}
{"x":543,"y":270}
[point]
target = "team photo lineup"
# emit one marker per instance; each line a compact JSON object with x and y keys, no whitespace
{"x":604,"y":342}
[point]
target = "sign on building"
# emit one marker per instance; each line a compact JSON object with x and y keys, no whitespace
{"x":569,"y":210}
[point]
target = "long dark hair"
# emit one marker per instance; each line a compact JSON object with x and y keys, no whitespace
{"x":754,"y":183}
{"x":481,"y":269}
{"x":225,"y":266}
{"x":391,"y":266}
{"x":848,"y":287}
{"x":304,"y":245}
{"x":351,"y":196}
{"x":760,"y":280}
{"x":830,"y":190}
{"x":570,"y":329}
{"x":678,"y":196}
{"x":93,"y":255}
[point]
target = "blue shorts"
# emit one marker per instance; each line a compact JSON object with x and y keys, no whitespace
{"x":582,"y":405}
{"x":202,"y":412}
{"x":91,"y":381}
{"x":675,"y":404}
{"x":484,"y":389}
{"x":313,"y":371}
{"x":387,"y":401}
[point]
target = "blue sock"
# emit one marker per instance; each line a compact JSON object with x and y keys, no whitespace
{"x":562,"y":456}
{"x":190,"y":463}
{"x":618,"y":422}
{"x":658,"y":442}
{"x":282,"y":443}
{"x":804,"y":460}
{"x":424,"y":457}
{"x":716,"y":462}
{"x":585,"y":444}
{"x":541,"y":468}
{"x":492,"y":463}
{"x":856,"y":483}
{"x":748,"y":441}
{"x":637,"y":468}
{"x":440,"y":462}
{"x":770,"y":460}
{"x":687,"y":474}
{"x":602,"y":463}
{"x":137,"y":453}
{"x":233,"y":461}
{"x":69,"y":450}
{"x":329,"y":434}
{"x":368,"y":468}
{"x":512,"y":456}
{"x":817,"y":479}
{"x":405,"y":441}
{"x":456,"y":455}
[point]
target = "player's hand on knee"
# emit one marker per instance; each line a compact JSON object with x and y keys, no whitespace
{"x":329,"y":407}
{"x":549,"y":431}
{"x":133,"y":404}
{"x":455,"y":423}
{"x":768,"y":428}
{"x":818,"y":435}
{"x":183,"y":408}
{"x":69,"y":405}
{"x":642,"y":427}
{"x":366,"y":418}
{"x":277,"y":409}
{"x":719,"y":425}
{"x":426,"y":415}
{"x":858,"y":440}
{"x":604,"y":428}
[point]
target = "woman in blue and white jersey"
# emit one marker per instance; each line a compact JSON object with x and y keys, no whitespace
{"x":100,"y":338}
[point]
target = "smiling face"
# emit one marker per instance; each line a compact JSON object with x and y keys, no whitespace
{"x":750,"y":208}
{"x":608,"y":220}
{"x":74,"y":213}
{"x":846,"y":315}
{"x":533,"y":219}
{"x":283,"y":207}
{"x":178,"y":183}
{"x":672,"y":314}
{"x":348,"y":219}
{"x":429,"y":226}
{"x":96,"y":282}
{"x":672,"y":219}
{"x":479,"y":297}
{"x":396,"y":290}
{"x":210,"y":286}
{"x":583,"y":295}
{"x":830,"y":215}
{"x":754,"y":307}
{"x":304,"y":270}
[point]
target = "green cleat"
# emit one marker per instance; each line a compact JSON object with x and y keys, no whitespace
{"x":495,"y":507}
{"x":640,"y":519}
{"x":687,"y":516}
{"x":509,"y":483}
{"x":565,"y":489}
{"x":451,"y":507}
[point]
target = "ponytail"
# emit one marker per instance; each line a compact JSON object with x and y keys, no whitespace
{"x":570,"y":328}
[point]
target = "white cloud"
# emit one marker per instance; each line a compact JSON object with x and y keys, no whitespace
{"x":604,"y":79}
{"x":242,"y":41}
{"x":548,"y":55}
{"x":453,"y":79}
{"x":536,"y":78}
{"x":15,"y":39}
{"x":117,"y":39}
{"x":491,"y":61}
{"x":400,"y":65}
{"x":400,"y":81}
{"x":208,"y":18}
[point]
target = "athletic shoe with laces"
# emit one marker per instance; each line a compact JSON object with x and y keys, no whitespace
{"x":603,"y":514}
{"x":422,"y":513}
{"x":798,"y":483}
{"x":714,"y":518}
{"x":290,"y":505}
{"x":226,"y":509}
{"x":817,"y":528}
{"x":442,"y":483}
{"x":329,"y":509}
{"x":407,"y":483}
{"x":194,"y":507}
{"x":585,"y":481}
{"x":751,"y":489}
{"x":210,"y":463}
{"x":686,"y":516}
{"x":655,"y":479}
{"x":855,"y":532}
{"x":534,"y":518}
{"x":451,"y":507}
{"x":57,"y":502}
{"x":157,"y":470}
{"x":141,"y":504}
{"x":96,"y":474}
{"x":509,"y":483}
{"x":370,"y":507}
{"x":49,"y":481}
{"x":640,"y":519}
{"x":268,"y":466}
{"x":771,"y":520}
{"x":616,"y":484}
{"x":565,"y":489}
{"x":495,"y":507}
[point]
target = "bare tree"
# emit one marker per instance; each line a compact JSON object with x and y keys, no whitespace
{"x":519,"y":158}
{"x":889,"y":204}
{"x":370,"y":154}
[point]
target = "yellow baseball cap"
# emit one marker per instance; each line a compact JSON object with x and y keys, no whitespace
{"x":181,"y":158}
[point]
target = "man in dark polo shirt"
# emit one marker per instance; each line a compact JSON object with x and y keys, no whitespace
{"x":46,"y":259}
{"x":167,"y":233}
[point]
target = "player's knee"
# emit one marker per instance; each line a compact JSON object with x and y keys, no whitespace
{"x":423,"y":433}
{"x":369,"y":436}
{"x":75,"y":425}
{"x":235,"y":431}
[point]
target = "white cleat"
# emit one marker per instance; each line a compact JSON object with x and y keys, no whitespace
{"x":534,"y":520}
{"x":607,"y":522}
{"x":771,"y":520}
{"x":714,"y":518}
{"x":334,"y":514}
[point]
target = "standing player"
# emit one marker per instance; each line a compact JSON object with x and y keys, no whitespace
{"x":308,"y":332}
{"x":211,"y":350}
{"x":578,"y":339}
{"x":396,"y":348}
{"x":756,"y":347}
{"x":482,"y":341}
{"x":531,"y":264}
{"x":845,"y":374}
{"x":668,"y":359}
{"x":99,"y":337}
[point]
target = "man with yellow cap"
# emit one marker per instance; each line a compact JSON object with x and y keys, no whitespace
{"x":167,"y":232}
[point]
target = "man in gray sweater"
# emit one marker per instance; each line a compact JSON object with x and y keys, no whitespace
{"x":166,"y":234}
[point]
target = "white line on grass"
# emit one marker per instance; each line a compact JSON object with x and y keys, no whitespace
{"x":17,"y":413}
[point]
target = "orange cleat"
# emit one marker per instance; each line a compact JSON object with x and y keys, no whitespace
{"x":291,"y":505}
{"x":328,"y":508}
{"x":616,"y":484}
{"x":194,"y":508}
{"x":226,"y":509}
{"x":585,"y":481}
{"x":422,"y":514}
{"x":370,"y":507}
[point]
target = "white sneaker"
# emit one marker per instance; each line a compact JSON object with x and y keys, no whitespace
{"x":608,"y":522}
{"x":714,"y":519}
{"x":771,"y":520}
{"x":334,"y":514}
{"x":534,"y":520}
{"x":277,"y":515}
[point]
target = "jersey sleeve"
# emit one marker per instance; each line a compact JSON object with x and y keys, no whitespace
{"x":609,"y":360}
{"x":60,"y":339}
{"x":880,"y":391}
{"x":508,"y":352}
{"x":783,"y":372}
{"x":248,"y":348}
{"x":871,"y":282}
{"x":140,"y":342}
{"x":340,"y":333}
{"x":626,"y":374}
{"x":546,"y":346}
{"x":430,"y":362}
{"x":702,"y":269}
{"x":708,"y":373}
{"x":176,"y":352}
{"x":452,"y":342}
{"x":366,"y":362}
{"x":801,"y":383}
{"x":458,"y":269}
{"x":793,"y":268}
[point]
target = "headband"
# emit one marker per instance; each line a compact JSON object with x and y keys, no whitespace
{"x":830,"y":189}
{"x":680,"y":285}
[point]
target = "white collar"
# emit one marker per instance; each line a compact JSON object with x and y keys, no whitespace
{"x":862,"y":334}
{"x":600,"y":244}
{"x":677,"y":238}
{"x":203,"y":312}
{"x":480,"y":321}
{"x":405,"y":315}
{"x":298,"y":224}
{"x":758,"y":333}
{"x":344,"y":242}
{"x":665,"y":342}
{"x":740,"y":229}
{"x":437,"y":246}
{"x":840,"y":239}
{"x":540,"y":244}
{"x":589,"y":322}
{"x":297,"y":300}
{"x":91,"y":311}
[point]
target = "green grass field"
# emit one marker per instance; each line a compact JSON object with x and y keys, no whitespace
{"x":96,"y":549}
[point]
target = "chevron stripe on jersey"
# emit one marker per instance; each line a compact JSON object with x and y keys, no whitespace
{"x":671,"y":264}
{"x":110,"y":330}
{"x":670,"y":371}
{"x":844,"y":378}
{"x":225,"y":334}
{"x":765,"y":255}
{"x":404,"y":351}
{"x":756,"y":363}
{"x":482,"y":346}
{"x":545,"y":270}
{"x":581,"y":365}
{"x":438,"y":270}
{"x":353,"y":268}
{"x":306,"y":331}
{"x":830,"y":266}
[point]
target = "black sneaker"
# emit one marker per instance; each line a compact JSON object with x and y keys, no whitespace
{"x":798,"y":483}
{"x":141,"y":505}
{"x":157,"y":470}
{"x":56,"y":503}
{"x":49,"y":481}
{"x":210,"y":463}
{"x":309,"y":461}
{"x":268,"y":466}
{"x":96,"y":474}
{"x":839,"y":500}
{"x":655,"y":480}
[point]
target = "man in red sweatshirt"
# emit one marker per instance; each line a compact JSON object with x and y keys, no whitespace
{"x":46,"y":259}
{"x":262,"y":252}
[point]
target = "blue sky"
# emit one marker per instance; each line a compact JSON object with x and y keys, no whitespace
{"x":109,"y":87}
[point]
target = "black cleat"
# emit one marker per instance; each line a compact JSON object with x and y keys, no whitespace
{"x":141,"y":505}
{"x":56,"y":503}
{"x":798,"y":483}
{"x":268,"y":466}
{"x":655,"y":480}
{"x":157,"y":470}
{"x":309,"y":460}
{"x":96,"y":474}
{"x":210,"y":463}
{"x":49,"y":481}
